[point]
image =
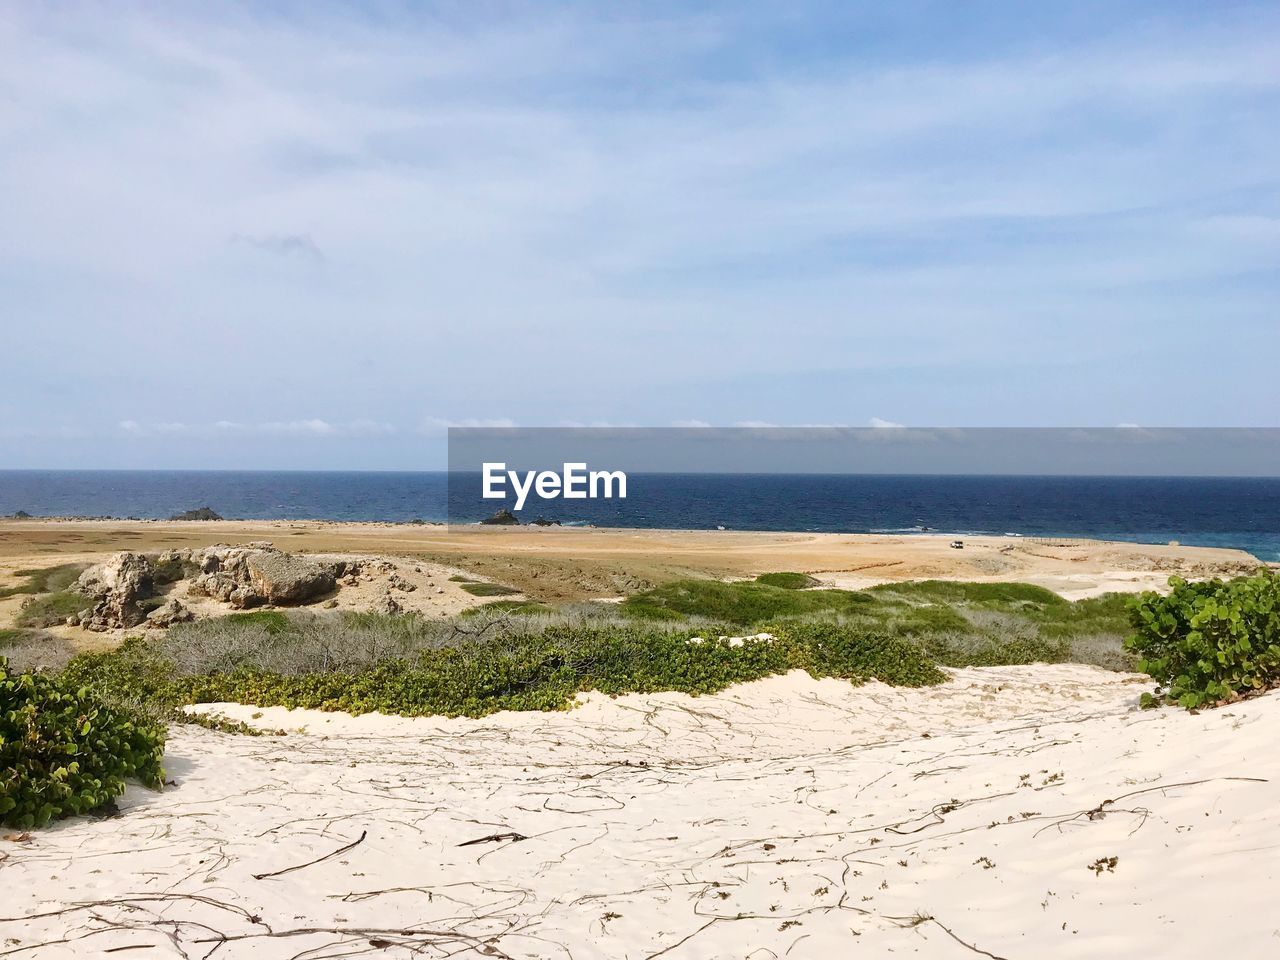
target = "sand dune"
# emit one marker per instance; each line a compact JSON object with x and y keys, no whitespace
{"x":1020,"y":812}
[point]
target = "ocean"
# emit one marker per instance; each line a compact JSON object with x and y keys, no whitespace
{"x":1243,"y":513}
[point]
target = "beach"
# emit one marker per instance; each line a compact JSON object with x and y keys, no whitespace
{"x":1017,"y":812}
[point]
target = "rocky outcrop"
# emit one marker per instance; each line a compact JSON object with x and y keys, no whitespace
{"x":117,"y":586}
{"x":200,"y":513}
{"x":503,"y":517}
{"x":253,"y":576}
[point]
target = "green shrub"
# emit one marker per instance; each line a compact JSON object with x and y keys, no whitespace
{"x":1210,"y":642}
{"x":64,"y":752}
{"x":834,"y":650}
{"x":788,"y":581}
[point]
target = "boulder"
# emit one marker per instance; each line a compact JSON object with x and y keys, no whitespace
{"x":285,"y":578}
{"x":169,"y":613}
{"x":503,"y":517}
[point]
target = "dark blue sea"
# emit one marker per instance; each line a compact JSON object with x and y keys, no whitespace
{"x":1227,"y":512}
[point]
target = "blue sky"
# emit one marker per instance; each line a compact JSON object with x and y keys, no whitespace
{"x":316,"y":235}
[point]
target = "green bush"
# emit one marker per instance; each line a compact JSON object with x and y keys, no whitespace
{"x":64,"y":752}
{"x":1209,"y":642}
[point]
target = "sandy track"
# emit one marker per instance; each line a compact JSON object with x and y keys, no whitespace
{"x":788,"y":817}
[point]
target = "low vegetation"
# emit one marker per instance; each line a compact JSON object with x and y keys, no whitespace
{"x":480,"y":589}
{"x":788,"y":581}
{"x":45,"y":580}
{"x":411,"y":666}
{"x":65,"y":751}
{"x":1210,"y":642}
{"x":50,"y":609}
{"x":958,"y":624}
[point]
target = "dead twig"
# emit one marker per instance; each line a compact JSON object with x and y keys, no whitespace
{"x":495,"y":838}
{"x":311,"y":863}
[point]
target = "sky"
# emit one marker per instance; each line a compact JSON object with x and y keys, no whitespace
{"x":316,"y":235}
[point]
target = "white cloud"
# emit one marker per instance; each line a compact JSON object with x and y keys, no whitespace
{"x":313,"y":427}
{"x":880,"y":424}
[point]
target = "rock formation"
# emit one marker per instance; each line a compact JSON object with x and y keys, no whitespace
{"x":256,"y":575}
{"x":200,"y":513}
{"x":117,"y":586}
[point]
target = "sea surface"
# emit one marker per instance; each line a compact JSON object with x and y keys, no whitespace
{"x":1228,"y":512}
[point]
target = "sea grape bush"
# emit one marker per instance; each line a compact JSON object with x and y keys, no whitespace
{"x":63,"y":751}
{"x":1210,"y":642}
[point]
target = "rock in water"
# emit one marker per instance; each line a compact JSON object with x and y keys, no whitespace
{"x":503,"y":517}
{"x":200,"y":513}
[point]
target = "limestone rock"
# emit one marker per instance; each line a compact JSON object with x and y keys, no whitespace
{"x":285,"y":578}
{"x":116,"y":586}
{"x":169,"y":613}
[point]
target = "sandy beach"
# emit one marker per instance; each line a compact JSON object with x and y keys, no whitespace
{"x":1018,"y":812}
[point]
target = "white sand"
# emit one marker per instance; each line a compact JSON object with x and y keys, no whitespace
{"x":789,"y":817}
